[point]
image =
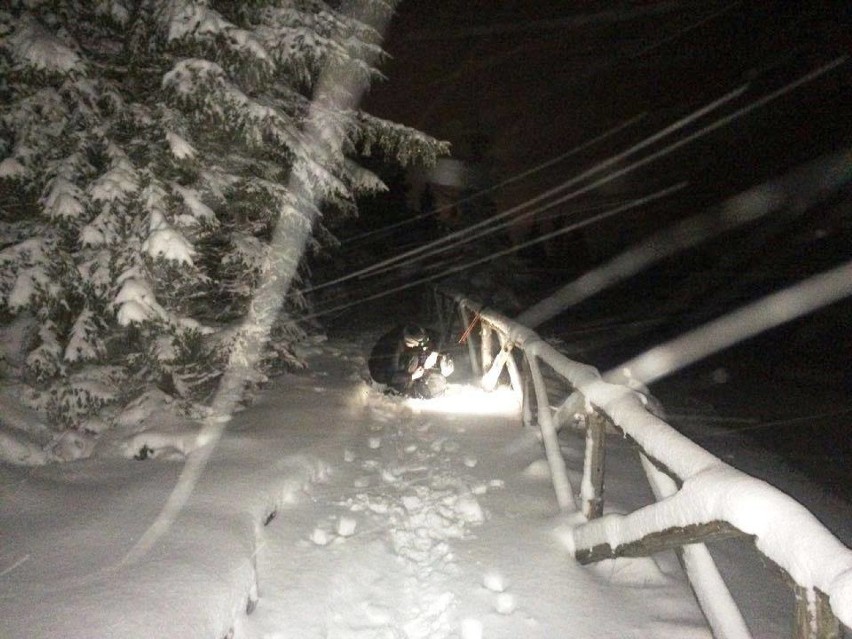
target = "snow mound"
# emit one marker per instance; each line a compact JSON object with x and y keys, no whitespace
{"x":32,"y":45}
{"x":16,"y":448}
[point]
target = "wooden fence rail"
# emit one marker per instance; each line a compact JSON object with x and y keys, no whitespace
{"x":700,"y":498}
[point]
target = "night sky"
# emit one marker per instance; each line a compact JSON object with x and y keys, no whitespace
{"x":521,"y":82}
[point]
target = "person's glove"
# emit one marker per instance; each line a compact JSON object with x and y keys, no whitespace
{"x":447,"y":366}
{"x":414,"y":368}
{"x":431,"y":360}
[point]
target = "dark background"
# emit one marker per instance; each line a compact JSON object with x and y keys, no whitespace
{"x":513,"y":84}
{"x":521,"y":82}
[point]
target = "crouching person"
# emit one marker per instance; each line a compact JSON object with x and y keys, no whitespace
{"x":405,"y":361}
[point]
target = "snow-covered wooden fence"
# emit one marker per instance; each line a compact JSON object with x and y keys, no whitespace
{"x":700,"y":498}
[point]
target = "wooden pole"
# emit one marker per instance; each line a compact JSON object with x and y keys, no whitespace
{"x":592,"y":487}
{"x":527,"y":398}
{"x":652,"y":543}
{"x":485,"y":344}
{"x":716,"y":601}
{"x":558,"y":472}
{"x":511,"y":364}
{"x":471,"y":351}
{"x":489,"y":380}
{"x":814,"y":618}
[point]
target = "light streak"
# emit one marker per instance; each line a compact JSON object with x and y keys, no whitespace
{"x":801,"y":188}
{"x":492,"y":256}
{"x":452,"y":240}
{"x":716,"y":124}
{"x":750,"y":320}
{"x":597,"y":168}
{"x":15,"y":565}
{"x":336,"y":89}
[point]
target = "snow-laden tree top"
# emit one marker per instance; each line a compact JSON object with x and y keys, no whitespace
{"x":152,"y":147}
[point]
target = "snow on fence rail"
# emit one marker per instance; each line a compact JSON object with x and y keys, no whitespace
{"x":700,"y":498}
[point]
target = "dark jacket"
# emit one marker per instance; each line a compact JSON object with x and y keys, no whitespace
{"x":391,"y":360}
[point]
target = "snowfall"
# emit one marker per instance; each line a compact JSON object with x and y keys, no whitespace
{"x":328,"y":509}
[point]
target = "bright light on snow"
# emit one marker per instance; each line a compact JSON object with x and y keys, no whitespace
{"x":469,"y":400}
{"x":402,"y":524}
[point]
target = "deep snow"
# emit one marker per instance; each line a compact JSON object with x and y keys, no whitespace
{"x":331,"y":510}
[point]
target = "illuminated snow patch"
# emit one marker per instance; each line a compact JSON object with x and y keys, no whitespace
{"x":469,"y":400}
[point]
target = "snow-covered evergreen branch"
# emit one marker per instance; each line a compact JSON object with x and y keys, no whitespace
{"x":155,"y":145}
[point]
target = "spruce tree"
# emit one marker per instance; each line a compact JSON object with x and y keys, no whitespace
{"x":149,"y":149}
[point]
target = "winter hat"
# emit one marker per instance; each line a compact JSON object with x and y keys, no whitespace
{"x":414,"y":336}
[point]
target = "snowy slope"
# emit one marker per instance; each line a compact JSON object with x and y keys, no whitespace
{"x":389,"y":520}
{"x":439,"y":525}
{"x":330,"y":510}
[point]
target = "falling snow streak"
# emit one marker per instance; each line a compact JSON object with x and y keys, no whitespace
{"x":492,"y":256}
{"x":340,"y":88}
{"x":601,"y":166}
{"x":752,"y":319}
{"x":802,"y":189}
{"x":520,"y":212}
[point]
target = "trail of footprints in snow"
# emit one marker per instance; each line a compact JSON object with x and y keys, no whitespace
{"x":417,"y":495}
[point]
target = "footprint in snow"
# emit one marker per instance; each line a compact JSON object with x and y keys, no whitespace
{"x":346,"y":526}
{"x":320,"y":537}
{"x":438,"y":444}
{"x":505,"y":603}
{"x":389,"y":476}
{"x":494,"y":581}
{"x":479,"y":489}
{"x":539,"y":469}
{"x":377,"y":614}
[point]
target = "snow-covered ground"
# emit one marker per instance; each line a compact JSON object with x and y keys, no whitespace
{"x":331,"y":510}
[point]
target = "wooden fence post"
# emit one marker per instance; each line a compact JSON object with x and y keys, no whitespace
{"x":716,"y":601}
{"x":814,"y":618}
{"x":592,"y":487}
{"x":558,"y":472}
{"x":527,"y":397}
{"x":495,"y":366}
{"x":471,"y":351}
{"x":511,"y":364}
{"x":485,"y":343}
